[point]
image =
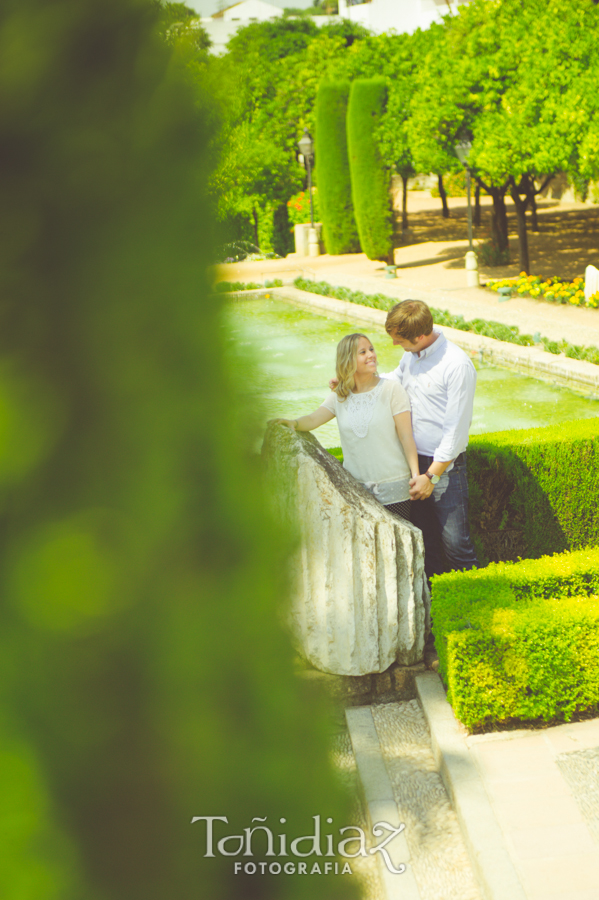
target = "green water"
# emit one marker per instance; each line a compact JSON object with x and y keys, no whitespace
{"x":285,"y":356}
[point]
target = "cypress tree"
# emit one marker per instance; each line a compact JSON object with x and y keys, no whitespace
{"x":339,"y":227}
{"x":369,"y":175}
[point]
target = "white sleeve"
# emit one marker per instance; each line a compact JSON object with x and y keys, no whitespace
{"x":329,"y":403}
{"x":400,"y":401}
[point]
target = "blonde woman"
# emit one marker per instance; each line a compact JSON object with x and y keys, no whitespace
{"x":375,"y":424}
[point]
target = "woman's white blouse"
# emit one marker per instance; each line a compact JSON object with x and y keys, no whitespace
{"x":372,"y":451}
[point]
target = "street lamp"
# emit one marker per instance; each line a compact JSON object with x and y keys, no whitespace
{"x":306,"y":148}
{"x":462,"y":151}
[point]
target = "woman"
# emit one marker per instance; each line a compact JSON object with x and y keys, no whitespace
{"x":373,"y":415}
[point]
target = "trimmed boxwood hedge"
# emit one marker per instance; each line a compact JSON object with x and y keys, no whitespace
{"x":520,"y":640}
{"x":370,"y":177}
{"x":534,"y":491}
{"x":339,"y":227}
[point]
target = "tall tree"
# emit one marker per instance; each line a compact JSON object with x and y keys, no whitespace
{"x":369,"y":173}
{"x":334,"y":179}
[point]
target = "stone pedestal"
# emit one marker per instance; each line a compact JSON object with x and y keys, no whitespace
{"x":359,"y":591}
{"x":472,"y":269}
{"x":591,"y":281}
{"x":301,"y":234}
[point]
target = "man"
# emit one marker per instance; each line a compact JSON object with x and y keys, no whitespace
{"x":440,"y":381}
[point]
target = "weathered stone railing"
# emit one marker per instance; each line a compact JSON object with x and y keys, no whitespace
{"x":360,"y":595}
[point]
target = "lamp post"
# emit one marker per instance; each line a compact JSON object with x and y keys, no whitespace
{"x":306,"y":148}
{"x":462,"y":151}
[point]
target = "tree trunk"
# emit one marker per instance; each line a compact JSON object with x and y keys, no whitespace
{"x":527,"y":184}
{"x":404,"y":203}
{"x":255,"y":217}
{"x":534,"y":222}
{"x":499,"y":236}
{"x":521,"y":218}
{"x":476,"y":219}
{"x":443,"y":196}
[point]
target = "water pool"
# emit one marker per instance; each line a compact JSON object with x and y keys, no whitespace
{"x":285,"y":356}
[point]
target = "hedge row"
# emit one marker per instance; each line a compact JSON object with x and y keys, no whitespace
{"x":534,"y":491}
{"x":496,"y":330}
{"x":339,"y":228}
{"x":370,"y":177}
{"x":520,"y":640}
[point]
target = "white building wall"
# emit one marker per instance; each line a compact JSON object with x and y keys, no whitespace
{"x":397,"y":15}
{"x":252,"y":10}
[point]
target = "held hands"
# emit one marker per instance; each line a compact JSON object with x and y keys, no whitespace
{"x":421,"y":487}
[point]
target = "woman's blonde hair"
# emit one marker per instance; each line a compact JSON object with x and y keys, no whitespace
{"x":347,"y":363}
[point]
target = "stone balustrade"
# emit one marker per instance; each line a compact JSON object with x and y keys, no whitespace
{"x":359,"y":591}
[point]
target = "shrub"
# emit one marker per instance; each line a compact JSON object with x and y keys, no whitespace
{"x":369,"y":176}
{"x":339,"y":227}
{"x":520,"y":640}
{"x":534,"y":491}
{"x":491,"y":255}
{"x":298,"y":208}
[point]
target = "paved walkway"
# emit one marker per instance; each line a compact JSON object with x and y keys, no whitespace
{"x":527,"y":802}
{"x":433,"y":272}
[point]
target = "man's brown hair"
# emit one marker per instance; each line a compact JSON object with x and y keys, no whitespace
{"x":409,"y":320}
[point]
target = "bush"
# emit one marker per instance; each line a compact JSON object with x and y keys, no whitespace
{"x":298,"y":208}
{"x":491,"y":255}
{"x":534,"y":492}
{"x":369,"y":176}
{"x":454,"y":184}
{"x":339,"y":227}
{"x":520,"y":640}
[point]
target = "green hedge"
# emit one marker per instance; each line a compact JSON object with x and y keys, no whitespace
{"x":370,"y":178}
{"x":534,"y":491}
{"x":339,"y":227}
{"x":497,"y":330}
{"x":520,"y":640}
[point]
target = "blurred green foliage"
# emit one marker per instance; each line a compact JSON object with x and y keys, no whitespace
{"x":144,"y":675}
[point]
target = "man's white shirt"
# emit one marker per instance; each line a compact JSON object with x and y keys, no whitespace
{"x":440,"y":382}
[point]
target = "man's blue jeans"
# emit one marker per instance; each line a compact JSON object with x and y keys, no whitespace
{"x":443,"y":520}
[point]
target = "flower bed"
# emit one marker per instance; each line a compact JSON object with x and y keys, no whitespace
{"x":553,"y":290}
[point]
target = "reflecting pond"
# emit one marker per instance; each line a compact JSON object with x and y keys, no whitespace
{"x":285,"y":356}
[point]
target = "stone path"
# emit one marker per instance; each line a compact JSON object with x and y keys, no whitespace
{"x":505,"y":816}
{"x":400,"y":781}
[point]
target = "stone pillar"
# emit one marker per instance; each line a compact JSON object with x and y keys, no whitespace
{"x":359,"y":598}
{"x":471,"y":269}
{"x":301,"y":235}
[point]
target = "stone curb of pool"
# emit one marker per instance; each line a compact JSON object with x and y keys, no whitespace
{"x":484,"y":839}
{"x":532,"y":361}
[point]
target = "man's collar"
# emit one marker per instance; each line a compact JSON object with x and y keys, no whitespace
{"x":435,"y":346}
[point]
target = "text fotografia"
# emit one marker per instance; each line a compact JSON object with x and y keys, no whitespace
{"x":347,"y":846}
